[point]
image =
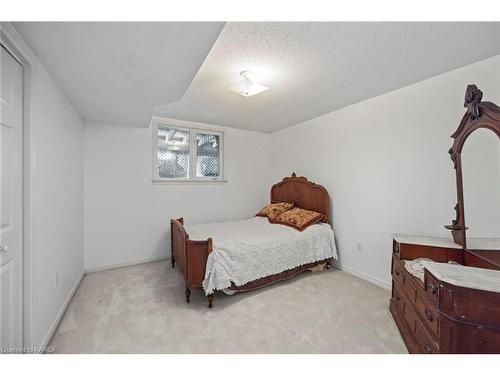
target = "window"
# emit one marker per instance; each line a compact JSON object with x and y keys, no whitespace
{"x":187,"y":154}
{"x":207,"y":155}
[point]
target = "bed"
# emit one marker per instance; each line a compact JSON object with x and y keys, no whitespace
{"x":243,"y":255}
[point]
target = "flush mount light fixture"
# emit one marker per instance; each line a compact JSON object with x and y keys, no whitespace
{"x":247,"y":87}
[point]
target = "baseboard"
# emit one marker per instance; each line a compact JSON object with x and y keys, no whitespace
{"x":365,"y":277}
{"x":60,"y":314}
{"x":119,"y":265}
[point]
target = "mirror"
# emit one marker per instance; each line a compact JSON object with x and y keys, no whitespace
{"x":481,"y":188}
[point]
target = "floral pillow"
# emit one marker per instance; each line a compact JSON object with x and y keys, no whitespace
{"x":274,"y":209}
{"x":298,"y":218}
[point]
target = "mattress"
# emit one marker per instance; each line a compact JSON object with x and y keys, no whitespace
{"x":247,"y":250}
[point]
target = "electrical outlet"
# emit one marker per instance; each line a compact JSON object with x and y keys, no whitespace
{"x":56,"y":279}
{"x":360,"y":247}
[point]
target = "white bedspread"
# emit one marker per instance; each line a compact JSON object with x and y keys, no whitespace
{"x":246,"y":250}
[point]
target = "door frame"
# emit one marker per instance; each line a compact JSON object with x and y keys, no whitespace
{"x":14,"y":44}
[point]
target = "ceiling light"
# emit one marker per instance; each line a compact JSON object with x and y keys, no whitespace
{"x":248,"y":87}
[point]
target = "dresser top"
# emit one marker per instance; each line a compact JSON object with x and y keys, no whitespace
{"x":426,"y":241}
{"x":466,"y":277}
{"x":483,"y":243}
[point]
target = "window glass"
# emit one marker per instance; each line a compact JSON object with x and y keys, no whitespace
{"x":207,"y":155}
{"x":173,"y":153}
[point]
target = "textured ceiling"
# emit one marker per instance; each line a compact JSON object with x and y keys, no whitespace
{"x":119,"y":71}
{"x":126,"y":72}
{"x":315,"y":68}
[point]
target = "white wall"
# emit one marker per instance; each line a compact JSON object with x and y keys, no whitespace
{"x":127,"y":217}
{"x":58,"y":197}
{"x":56,"y":158}
{"x":385,"y":163}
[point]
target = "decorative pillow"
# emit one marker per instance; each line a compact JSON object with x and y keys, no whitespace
{"x":298,"y":218}
{"x":274,"y":209}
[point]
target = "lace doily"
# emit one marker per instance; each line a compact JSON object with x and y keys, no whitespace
{"x":416,"y":268}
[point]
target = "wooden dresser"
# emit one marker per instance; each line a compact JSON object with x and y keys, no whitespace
{"x":455,"y":309}
{"x":450,"y":303}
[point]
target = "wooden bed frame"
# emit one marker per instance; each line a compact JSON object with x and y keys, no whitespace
{"x":191,"y":256}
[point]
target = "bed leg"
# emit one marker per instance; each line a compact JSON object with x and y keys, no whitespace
{"x":173,"y":262}
{"x":187,"y":293}
{"x":210,"y":300}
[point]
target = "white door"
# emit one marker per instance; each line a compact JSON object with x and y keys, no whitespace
{"x":11,"y":231}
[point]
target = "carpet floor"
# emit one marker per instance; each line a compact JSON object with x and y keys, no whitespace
{"x":141,"y":309}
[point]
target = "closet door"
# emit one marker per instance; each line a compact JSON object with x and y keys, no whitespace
{"x":11,"y":231}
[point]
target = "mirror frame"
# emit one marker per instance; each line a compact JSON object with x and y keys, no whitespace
{"x":479,"y":115}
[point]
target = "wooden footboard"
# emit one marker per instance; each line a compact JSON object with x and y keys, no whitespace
{"x":190,"y":257}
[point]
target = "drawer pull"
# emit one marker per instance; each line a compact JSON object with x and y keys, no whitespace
{"x":397,"y":272}
{"x":429,"y":315}
{"x":427,"y":348}
{"x":432,"y":288}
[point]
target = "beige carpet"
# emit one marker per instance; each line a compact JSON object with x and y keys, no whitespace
{"x":141,"y":309}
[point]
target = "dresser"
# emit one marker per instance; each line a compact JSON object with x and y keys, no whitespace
{"x":446,"y":291}
{"x":453,"y":309}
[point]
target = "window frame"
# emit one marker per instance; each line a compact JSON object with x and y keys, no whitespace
{"x":193,"y":129}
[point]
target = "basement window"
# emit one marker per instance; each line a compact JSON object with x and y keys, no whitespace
{"x":187,"y":154}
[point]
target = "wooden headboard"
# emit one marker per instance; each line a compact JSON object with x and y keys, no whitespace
{"x":304,"y":193}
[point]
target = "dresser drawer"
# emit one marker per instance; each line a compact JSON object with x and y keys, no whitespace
{"x":419,"y":330}
{"x":428,"y":312}
{"x":431,"y":287}
{"x":410,"y":287}
{"x":396,"y":248}
{"x":427,"y":344}
{"x":397,"y":296}
{"x":397,"y":271}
